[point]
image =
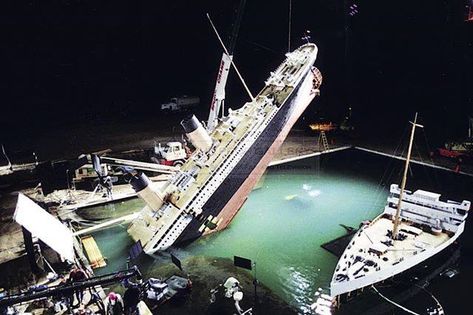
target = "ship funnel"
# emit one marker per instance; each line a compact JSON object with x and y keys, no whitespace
{"x":141,"y":184}
{"x":197,"y":134}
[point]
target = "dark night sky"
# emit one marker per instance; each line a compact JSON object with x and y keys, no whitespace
{"x":71,"y":62}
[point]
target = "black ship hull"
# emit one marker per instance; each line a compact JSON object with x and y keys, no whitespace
{"x":248,"y":165}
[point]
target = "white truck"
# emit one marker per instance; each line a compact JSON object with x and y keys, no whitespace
{"x":181,"y":103}
{"x":172,"y":154}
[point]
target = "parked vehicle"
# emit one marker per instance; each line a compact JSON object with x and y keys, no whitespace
{"x":182,"y":103}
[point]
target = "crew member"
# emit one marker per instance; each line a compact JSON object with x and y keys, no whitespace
{"x":76,"y":275}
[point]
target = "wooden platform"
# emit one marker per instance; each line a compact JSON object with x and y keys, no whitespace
{"x":96,"y":259}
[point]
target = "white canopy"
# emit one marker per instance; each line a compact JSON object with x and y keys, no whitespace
{"x":44,"y":226}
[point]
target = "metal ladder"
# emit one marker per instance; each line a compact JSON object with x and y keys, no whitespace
{"x":323,"y":140}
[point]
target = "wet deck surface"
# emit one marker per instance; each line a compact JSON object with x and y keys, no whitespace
{"x":374,"y":237}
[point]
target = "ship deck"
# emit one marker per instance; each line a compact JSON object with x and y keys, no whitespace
{"x":367,"y":253}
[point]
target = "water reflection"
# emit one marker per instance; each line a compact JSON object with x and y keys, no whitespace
{"x":282,"y":226}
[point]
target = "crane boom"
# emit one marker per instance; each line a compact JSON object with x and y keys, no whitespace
{"x":69,"y":288}
{"x":218,"y":98}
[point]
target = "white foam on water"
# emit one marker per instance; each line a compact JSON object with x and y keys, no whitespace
{"x":314,"y":193}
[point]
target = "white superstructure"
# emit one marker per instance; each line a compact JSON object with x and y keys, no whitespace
{"x":428,"y":225}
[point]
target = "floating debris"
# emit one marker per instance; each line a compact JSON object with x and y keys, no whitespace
{"x":290,"y":197}
{"x":96,"y":259}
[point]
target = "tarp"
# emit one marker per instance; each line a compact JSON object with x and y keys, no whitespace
{"x":44,"y":226}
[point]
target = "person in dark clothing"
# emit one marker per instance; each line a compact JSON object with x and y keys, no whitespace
{"x":95,"y":299}
{"x":131,"y":298}
{"x":77,"y":275}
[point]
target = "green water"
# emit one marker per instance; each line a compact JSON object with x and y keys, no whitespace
{"x":113,"y":242}
{"x":283,"y":224}
{"x":280,"y":227}
{"x":113,"y":210}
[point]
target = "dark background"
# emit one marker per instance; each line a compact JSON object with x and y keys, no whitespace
{"x":70,"y":63}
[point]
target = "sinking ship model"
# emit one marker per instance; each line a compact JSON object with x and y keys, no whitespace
{"x":413,"y":227}
{"x":209,"y":189}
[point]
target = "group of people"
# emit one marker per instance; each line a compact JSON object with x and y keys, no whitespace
{"x":111,"y":305}
{"x":73,"y":294}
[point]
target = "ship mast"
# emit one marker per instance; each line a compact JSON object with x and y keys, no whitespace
{"x":404,"y":179}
